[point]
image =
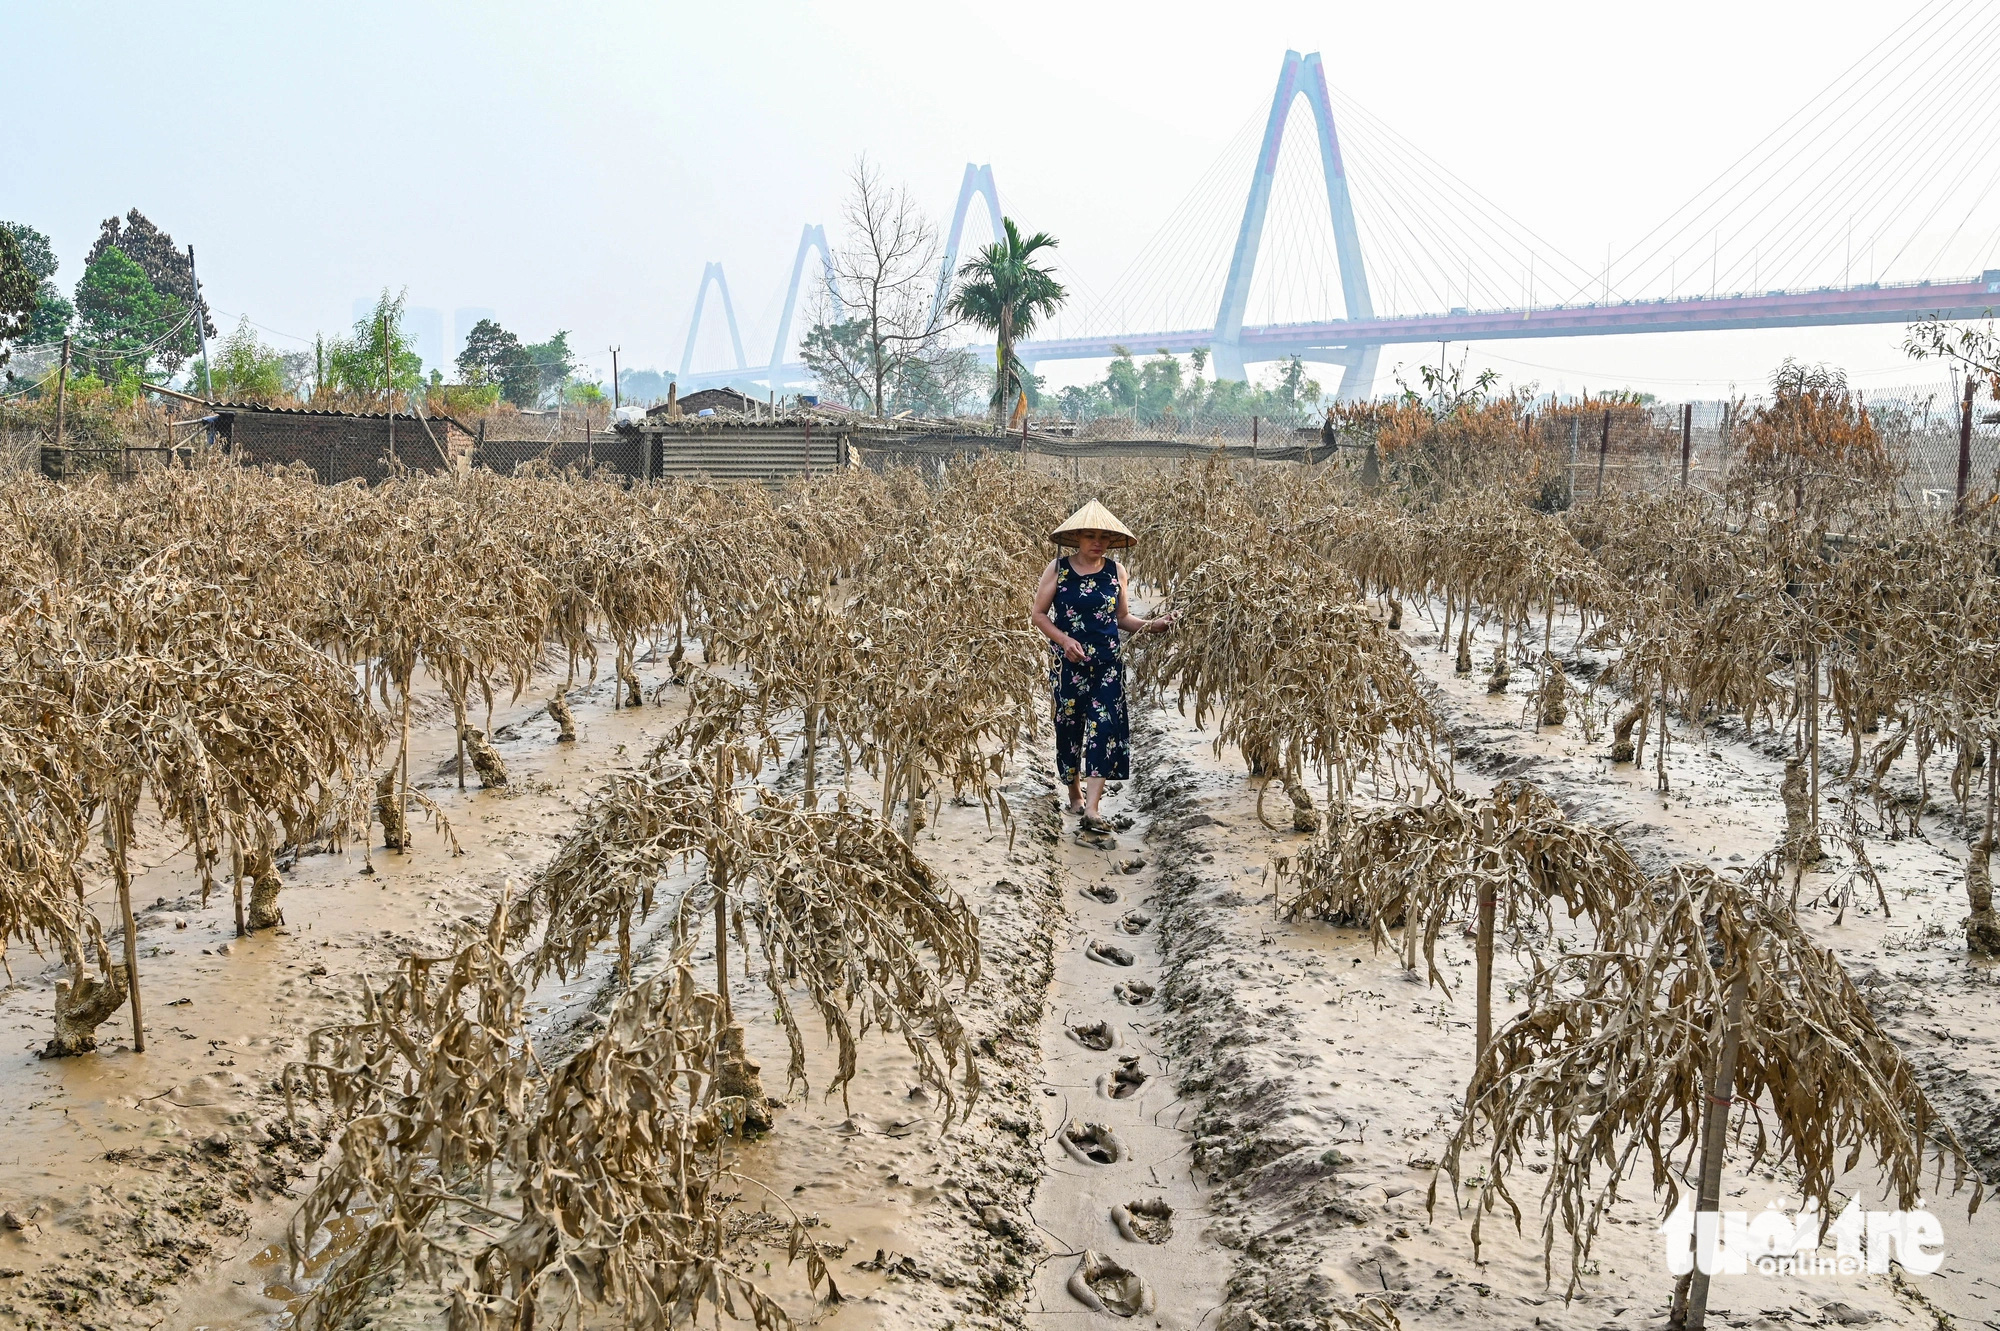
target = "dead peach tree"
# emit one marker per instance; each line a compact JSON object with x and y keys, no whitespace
{"x":529,"y":1192}
{"x":1711,"y":1005}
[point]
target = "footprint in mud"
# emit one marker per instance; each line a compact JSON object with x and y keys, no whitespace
{"x":1132,"y":993}
{"x":1092,"y":1144}
{"x":1130,"y":864}
{"x":1097,"y":1035}
{"x":1096,"y":840}
{"x":1103,"y":892}
{"x":1134,"y":921}
{"x":1104,"y":1286}
{"x":1109,"y":953}
{"x":1123,"y":1083}
{"x":1123,"y":822}
{"x":1144,"y":1221}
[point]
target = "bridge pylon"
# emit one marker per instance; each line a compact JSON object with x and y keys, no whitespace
{"x":813,"y":237}
{"x":978,"y":180}
{"x":712,"y":273}
{"x":1299,"y":76}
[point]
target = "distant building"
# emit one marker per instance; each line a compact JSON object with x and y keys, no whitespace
{"x":721,"y":399}
{"x":340,"y":446}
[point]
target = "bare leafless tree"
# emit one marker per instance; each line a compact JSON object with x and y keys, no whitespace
{"x":874,"y":321}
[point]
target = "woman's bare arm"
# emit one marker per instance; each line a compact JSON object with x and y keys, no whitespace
{"x":1045,"y":596}
{"x":1130,"y":622}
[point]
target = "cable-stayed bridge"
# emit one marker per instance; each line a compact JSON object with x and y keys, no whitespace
{"x":1352,"y":239}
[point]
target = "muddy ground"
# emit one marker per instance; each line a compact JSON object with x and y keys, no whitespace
{"x":1238,"y":1113}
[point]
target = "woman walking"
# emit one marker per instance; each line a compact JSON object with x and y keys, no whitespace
{"x":1080,"y":606}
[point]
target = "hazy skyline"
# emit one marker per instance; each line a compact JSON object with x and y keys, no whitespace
{"x":576,"y":168}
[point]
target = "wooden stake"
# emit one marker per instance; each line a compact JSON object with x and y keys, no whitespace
{"x":721,"y":894}
{"x":236,"y":859}
{"x":1693,"y":1313}
{"x":1603,"y":448}
{"x":1964,"y":442}
{"x":1484,"y":945}
{"x":1687,"y":440}
{"x":120,"y":836}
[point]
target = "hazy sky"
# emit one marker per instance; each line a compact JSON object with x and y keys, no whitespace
{"x":575,"y":166}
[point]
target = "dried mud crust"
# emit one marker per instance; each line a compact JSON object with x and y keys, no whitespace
{"x":1278,"y":1202}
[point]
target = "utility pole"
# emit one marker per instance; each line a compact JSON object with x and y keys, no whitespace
{"x":201,"y":328}
{"x":62,"y":402}
{"x":614,"y":379}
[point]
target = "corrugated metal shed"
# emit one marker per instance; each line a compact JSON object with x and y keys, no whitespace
{"x":767,"y":452}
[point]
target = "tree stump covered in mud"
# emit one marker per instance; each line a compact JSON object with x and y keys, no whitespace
{"x":1502,"y":672}
{"x":264,"y":886}
{"x":1622,"y":748}
{"x":485,"y":759}
{"x":1463,"y":665}
{"x":1801,"y":845}
{"x":564,"y":719}
{"x":83,"y":1003}
{"x":1552,"y":695}
{"x":1982,"y":931}
{"x":389,"y":812}
{"x":1305,"y":818}
{"x":737,"y":1077}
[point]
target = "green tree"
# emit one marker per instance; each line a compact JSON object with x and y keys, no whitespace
{"x":1159,"y":386}
{"x":122,"y":318}
{"x":380,"y":358}
{"x":166,"y":265}
{"x":495,"y":357}
{"x":1121,"y":381}
{"x":53,"y":311}
{"x":554,"y":364}
{"x":1004,"y":290}
{"x":246,"y":370}
{"x":17,"y":293}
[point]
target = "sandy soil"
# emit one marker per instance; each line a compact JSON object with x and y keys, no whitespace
{"x":1286,"y":1089}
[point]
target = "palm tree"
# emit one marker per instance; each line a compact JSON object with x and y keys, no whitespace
{"x":1003,"y":289}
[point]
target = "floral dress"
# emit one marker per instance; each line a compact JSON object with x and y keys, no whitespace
{"x":1093,"y":737}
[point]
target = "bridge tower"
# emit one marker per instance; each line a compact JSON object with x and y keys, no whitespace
{"x":812,"y":238}
{"x":712,"y":273}
{"x":1300,"y":76}
{"x":978,"y":180}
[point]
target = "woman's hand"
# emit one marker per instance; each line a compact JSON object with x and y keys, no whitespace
{"x":1160,"y":625}
{"x":1073,"y":652}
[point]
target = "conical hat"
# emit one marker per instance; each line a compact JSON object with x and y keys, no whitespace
{"x":1093,"y":516}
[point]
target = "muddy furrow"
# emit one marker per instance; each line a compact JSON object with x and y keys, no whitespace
{"x":1120,"y":1207}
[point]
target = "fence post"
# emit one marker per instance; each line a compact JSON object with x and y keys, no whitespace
{"x":62,"y":403}
{"x":809,"y":448}
{"x":1575,"y":437}
{"x":1964,"y":443}
{"x":1603,"y":448}
{"x":1253,"y":440}
{"x":1687,"y":440}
